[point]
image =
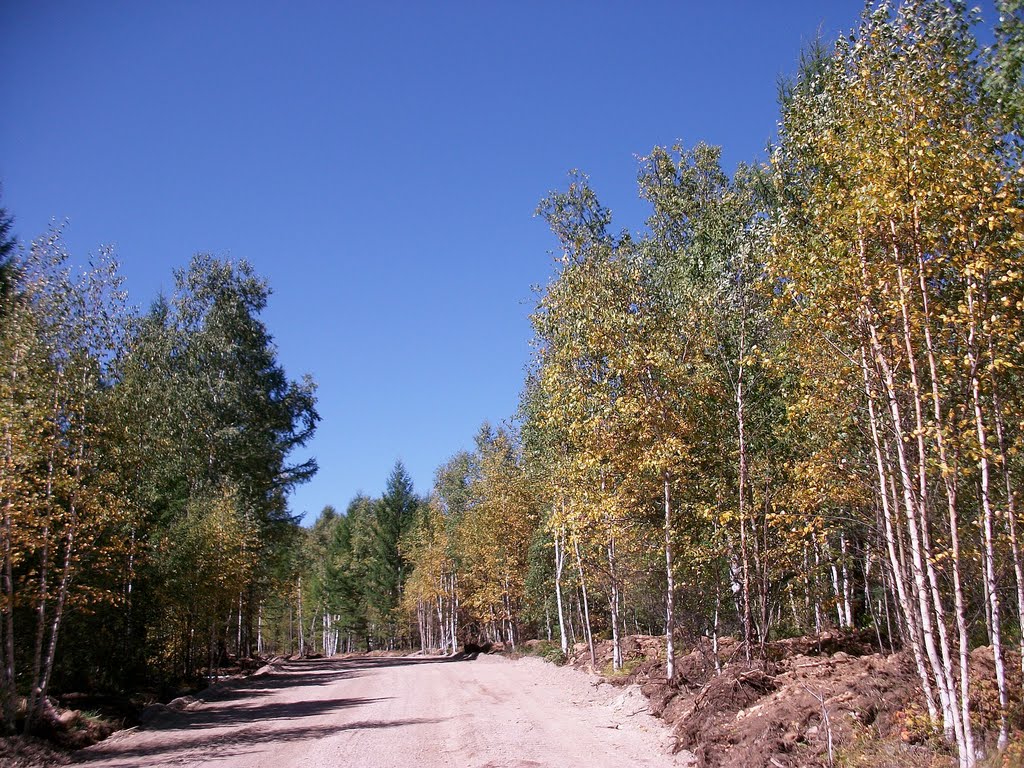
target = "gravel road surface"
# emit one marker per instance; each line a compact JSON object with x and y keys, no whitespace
{"x":418,"y":712}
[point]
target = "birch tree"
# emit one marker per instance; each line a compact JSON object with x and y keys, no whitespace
{"x":61,"y":509}
{"x":899,"y":223}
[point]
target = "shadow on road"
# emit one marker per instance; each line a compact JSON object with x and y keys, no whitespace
{"x":371,"y":662}
{"x":206,"y":747}
{"x":233,"y":718}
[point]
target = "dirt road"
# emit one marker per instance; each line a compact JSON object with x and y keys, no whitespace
{"x":425,"y":713}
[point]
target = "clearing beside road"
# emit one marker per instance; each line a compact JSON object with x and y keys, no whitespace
{"x":426,"y":712}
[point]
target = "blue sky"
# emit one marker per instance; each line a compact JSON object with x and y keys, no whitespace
{"x":379,"y":163}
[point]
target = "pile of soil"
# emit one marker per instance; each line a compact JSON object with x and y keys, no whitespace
{"x":56,"y":738}
{"x":642,"y":656}
{"x":810,"y":701}
{"x":30,"y":752}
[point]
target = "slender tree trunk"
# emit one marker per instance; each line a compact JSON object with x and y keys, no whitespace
{"x":65,"y":579}
{"x":949,"y":479}
{"x":986,"y":506}
{"x":895,"y":562}
{"x":742,"y":500}
{"x":8,"y":681}
{"x":455,"y":611}
{"x":9,"y":691}
{"x":441,"y":624}
{"x":559,"y":567}
{"x":966,"y":737}
{"x":43,"y":596}
{"x":670,"y":614}
{"x":613,"y":600}
{"x":714,"y":633}
{"x":1011,"y":509}
{"x":847,"y":591}
{"x":586,"y":602}
{"x":870,"y":603}
{"x":836,"y":591}
{"x":916,"y":508}
{"x":919,"y":556}
{"x":302,"y":629}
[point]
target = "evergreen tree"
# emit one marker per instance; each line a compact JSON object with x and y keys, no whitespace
{"x":394,"y":515}
{"x":8,"y":245}
{"x":208,"y":407}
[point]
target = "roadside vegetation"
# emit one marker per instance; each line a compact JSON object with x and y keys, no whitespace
{"x":144,"y":470}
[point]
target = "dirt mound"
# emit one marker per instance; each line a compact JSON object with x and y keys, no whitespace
{"x":808,"y":697}
{"x":29,"y":752}
{"x":810,"y":706}
{"x":719,"y":700}
{"x":856,"y":643}
{"x":642,"y":656}
{"x":56,"y":736}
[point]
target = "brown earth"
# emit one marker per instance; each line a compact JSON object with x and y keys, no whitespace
{"x":811,"y":697}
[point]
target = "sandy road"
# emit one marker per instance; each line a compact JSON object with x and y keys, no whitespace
{"x":377,"y":712}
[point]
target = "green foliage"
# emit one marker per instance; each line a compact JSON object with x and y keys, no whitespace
{"x":209,"y":408}
{"x":1003,"y":78}
{"x":8,"y":246}
{"x":387,"y":568}
{"x":143,"y":472}
{"x":548,"y":651}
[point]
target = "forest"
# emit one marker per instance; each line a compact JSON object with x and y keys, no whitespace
{"x":792,"y":401}
{"x":144,"y":474}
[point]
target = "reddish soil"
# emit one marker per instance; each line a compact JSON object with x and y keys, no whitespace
{"x":810,"y":696}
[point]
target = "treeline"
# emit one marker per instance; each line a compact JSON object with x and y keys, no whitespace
{"x":144,"y":468}
{"x":794,"y":401}
{"x":350,"y":574}
{"x":400,"y":571}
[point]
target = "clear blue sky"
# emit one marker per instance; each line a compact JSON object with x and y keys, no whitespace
{"x":379,"y":164}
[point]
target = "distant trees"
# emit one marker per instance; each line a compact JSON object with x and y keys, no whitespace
{"x":394,"y":515}
{"x":401,"y":570}
{"x":351,"y":572}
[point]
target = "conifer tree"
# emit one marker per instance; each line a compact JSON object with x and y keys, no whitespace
{"x":393,"y":516}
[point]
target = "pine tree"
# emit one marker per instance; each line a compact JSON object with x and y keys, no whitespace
{"x":393,"y":516}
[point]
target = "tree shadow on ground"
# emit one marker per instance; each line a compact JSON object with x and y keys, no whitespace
{"x":222,"y":745}
{"x":372,"y":662}
{"x":239,"y":715}
{"x":247,"y":714}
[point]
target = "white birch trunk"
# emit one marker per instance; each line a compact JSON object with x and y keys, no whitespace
{"x":559,"y":567}
{"x":670,"y":614}
{"x":586,"y":602}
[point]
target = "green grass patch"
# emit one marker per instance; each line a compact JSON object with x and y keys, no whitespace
{"x":629,"y":666}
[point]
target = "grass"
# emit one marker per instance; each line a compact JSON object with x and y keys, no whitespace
{"x":548,"y":650}
{"x":867,"y":750}
{"x":629,"y":666}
